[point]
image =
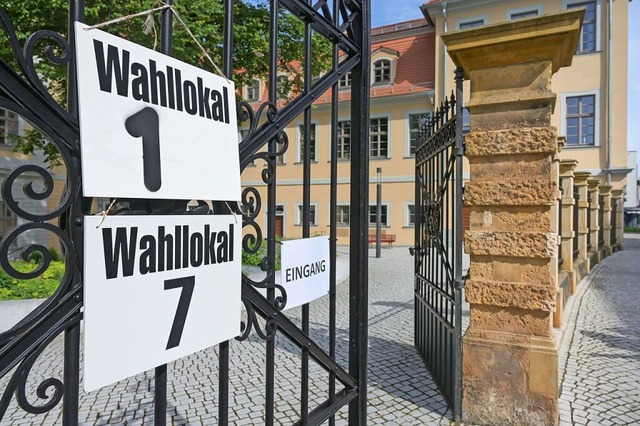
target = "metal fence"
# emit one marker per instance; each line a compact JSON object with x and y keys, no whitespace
{"x":588,"y":223}
{"x":601,"y":221}
{"x":438,"y":247}
{"x":614,"y":222}
{"x":576,"y":220}
{"x":560,"y":260}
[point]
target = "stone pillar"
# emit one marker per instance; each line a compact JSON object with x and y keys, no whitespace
{"x":510,"y":358}
{"x":567,"y":168}
{"x":580,"y":181}
{"x":605,"y":191}
{"x":617,"y":199}
{"x":594,"y":197}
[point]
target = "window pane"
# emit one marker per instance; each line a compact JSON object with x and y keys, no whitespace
{"x":580,"y":120}
{"x":525,"y":14}
{"x":588,"y":33}
{"x":471,"y":24}
{"x":412,"y":214}
{"x":416,"y":121}
{"x":373,"y":212}
{"x":344,"y":140}
{"x":312,"y":142}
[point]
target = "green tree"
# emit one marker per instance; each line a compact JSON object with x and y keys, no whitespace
{"x":203,"y":17}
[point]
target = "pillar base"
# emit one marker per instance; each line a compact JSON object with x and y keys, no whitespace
{"x":509,"y":379}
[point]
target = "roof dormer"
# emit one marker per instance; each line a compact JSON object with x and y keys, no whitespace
{"x":384,"y":63}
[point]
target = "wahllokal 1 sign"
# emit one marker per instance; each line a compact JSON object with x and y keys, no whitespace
{"x":157,"y":288}
{"x":152,"y":126}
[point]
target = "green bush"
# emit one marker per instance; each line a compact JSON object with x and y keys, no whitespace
{"x":36,"y":288}
{"x":254,"y":259}
{"x":634,"y":230}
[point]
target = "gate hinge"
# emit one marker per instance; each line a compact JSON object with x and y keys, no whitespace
{"x":459,"y":284}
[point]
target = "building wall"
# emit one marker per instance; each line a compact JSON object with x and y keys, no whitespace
{"x":587,"y":75}
{"x":410,"y":47}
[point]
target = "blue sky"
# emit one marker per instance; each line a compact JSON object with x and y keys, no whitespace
{"x":385,"y":12}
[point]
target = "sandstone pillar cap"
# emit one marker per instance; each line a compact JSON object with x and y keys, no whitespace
{"x":552,"y":37}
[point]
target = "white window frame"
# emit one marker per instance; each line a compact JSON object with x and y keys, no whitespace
{"x":407,"y":130}
{"x":313,"y":206}
{"x":338,"y":141}
{"x":280,"y":94}
{"x":384,"y":204}
{"x":373,"y":73}
{"x":314,"y":125}
{"x":596,"y":118}
{"x":460,"y":22}
{"x":248,"y":86}
{"x":599,"y":26}
{"x":537,"y":8}
{"x":388,"y":136}
{"x":407,"y":223}
{"x":346,"y":79}
{"x":4,"y":129}
{"x":348,"y":206}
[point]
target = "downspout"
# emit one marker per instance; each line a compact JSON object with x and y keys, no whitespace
{"x":609,"y":94}
{"x":444,"y":57}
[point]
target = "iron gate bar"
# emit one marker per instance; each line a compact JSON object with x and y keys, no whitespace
{"x":328,"y":408}
{"x":359,"y":201}
{"x":333,"y":202}
{"x":271,"y":219}
{"x":306,"y":210}
{"x":223,"y":348}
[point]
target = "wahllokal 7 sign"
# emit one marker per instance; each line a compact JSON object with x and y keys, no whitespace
{"x":157,"y":288}
{"x":152,"y":126}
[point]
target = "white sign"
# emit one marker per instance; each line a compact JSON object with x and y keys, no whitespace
{"x":305,"y":270}
{"x":152,"y":126}
{"x":157,"y":288}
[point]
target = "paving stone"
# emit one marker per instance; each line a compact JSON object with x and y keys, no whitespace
{"x":601,"y":368}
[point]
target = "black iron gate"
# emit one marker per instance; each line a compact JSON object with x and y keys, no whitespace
{"x":345,"y":25}
{"x":438,"y":246}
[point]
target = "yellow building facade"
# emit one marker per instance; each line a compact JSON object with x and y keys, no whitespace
{"x":402,"y":83}
{"x":591,"y":104}
{"x":416,"y":73}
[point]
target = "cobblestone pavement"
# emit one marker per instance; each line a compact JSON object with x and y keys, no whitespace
{"x":600,"y":364}
{"x":400,"y":388}
{"x":600,"y":356}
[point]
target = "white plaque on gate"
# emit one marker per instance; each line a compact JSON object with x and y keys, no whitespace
{"x":152,"y":126}
{"x":157,"y":288}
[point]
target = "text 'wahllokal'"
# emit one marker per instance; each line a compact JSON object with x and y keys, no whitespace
{"x":165,"y":88}
{"x":164,"y":251}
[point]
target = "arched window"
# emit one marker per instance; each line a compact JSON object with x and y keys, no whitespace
{"x":282,"y":86}
{"x":382,"y":71}
{"x":253,"y":91}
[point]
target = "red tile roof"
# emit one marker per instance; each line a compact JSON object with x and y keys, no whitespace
{"x":415,"y":66}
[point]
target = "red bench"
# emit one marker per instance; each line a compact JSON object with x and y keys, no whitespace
{"x":384,"y":238}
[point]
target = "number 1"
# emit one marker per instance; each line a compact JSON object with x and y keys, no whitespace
{"x":145,"y":124}
{"x":187,"y":284}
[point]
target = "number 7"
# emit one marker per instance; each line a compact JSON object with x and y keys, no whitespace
{"x":187,"y":284}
